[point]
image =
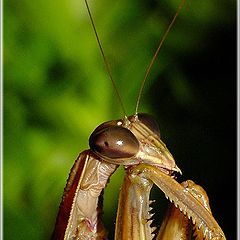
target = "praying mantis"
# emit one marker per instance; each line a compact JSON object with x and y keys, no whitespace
{"x":135,"y":143}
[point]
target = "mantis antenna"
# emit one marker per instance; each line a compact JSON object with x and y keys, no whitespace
{"x":156,"y":53}
{"x":105,"y":60}
{"x":107,"y":66}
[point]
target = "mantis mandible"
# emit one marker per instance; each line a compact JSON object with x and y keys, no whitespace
{"x":135,"y":143}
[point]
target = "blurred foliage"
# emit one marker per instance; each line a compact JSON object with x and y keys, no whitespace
{"x":56,"y":91}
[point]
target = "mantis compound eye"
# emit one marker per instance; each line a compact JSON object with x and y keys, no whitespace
{"x":150,"y":122}
{"x":114,"y":142}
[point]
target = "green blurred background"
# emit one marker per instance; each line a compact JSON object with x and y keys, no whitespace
{"x":56,"y":91}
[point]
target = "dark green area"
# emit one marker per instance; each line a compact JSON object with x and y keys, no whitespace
{"x":56,"y":92}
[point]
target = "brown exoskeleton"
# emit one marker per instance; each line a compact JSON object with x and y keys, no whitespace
{"x":135,"y":143}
